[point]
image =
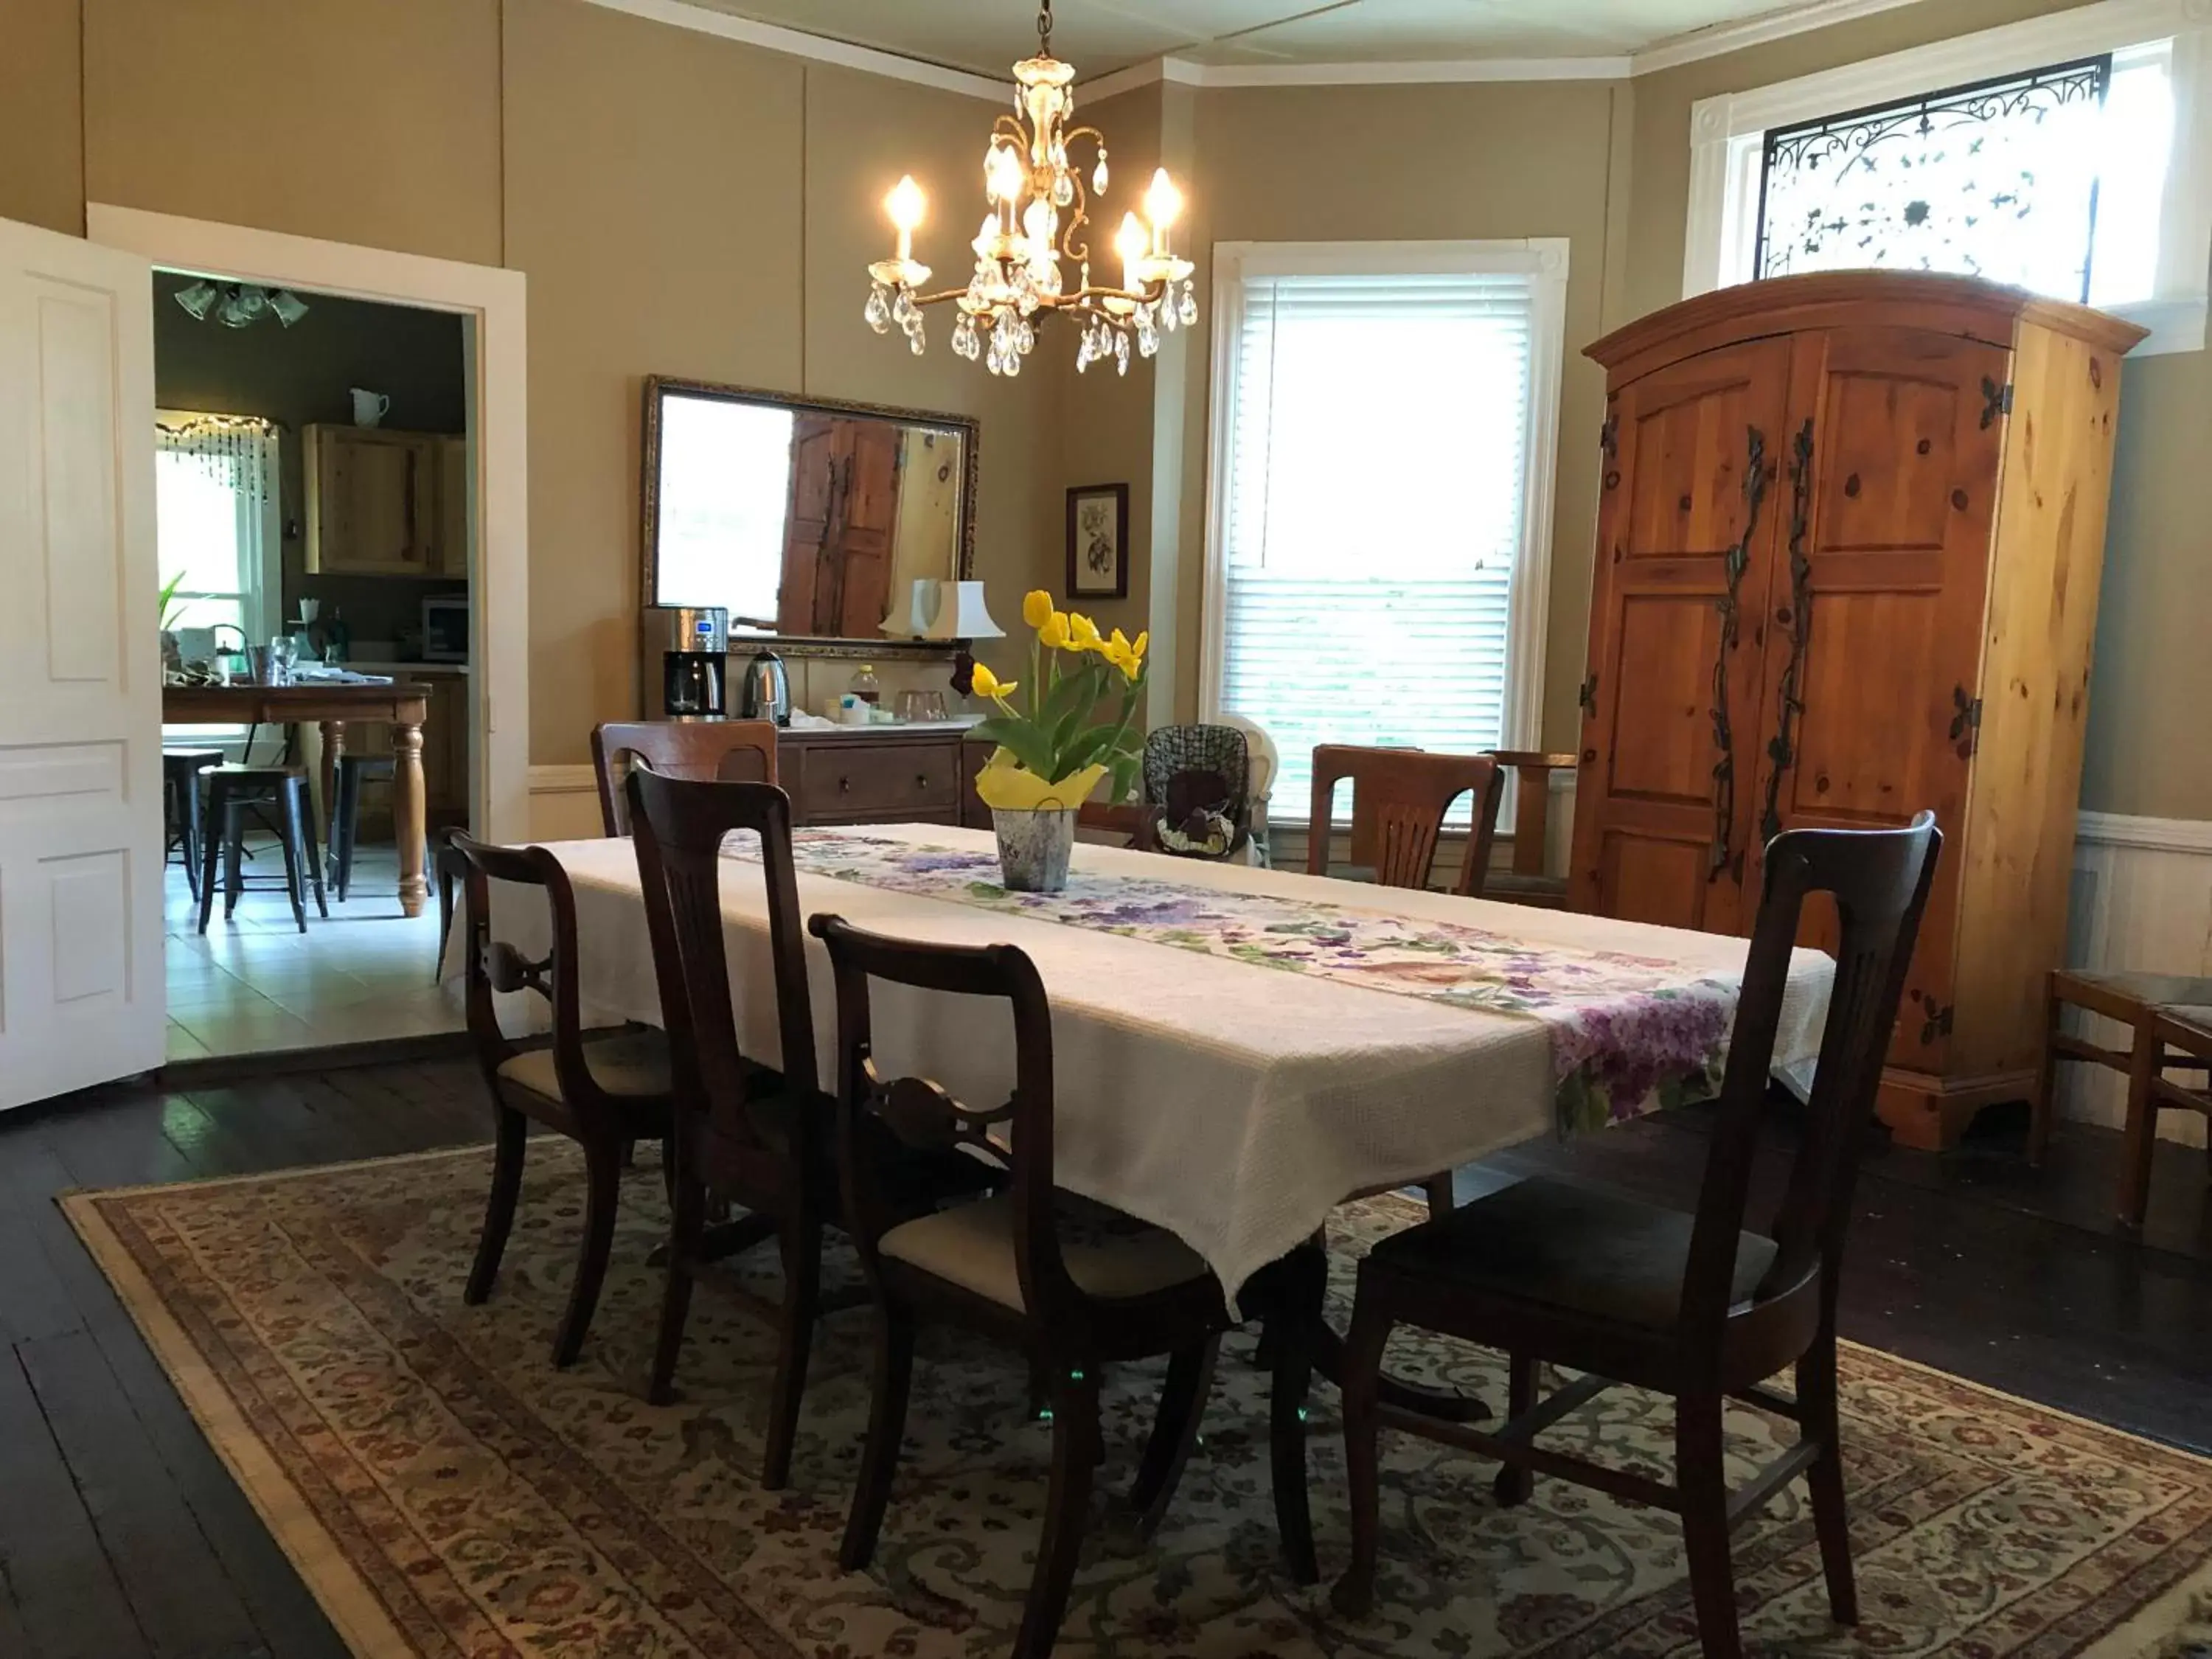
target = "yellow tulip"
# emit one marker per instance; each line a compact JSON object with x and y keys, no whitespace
{"x":1143,"y":640}
{"x":1052,"y":632}
{"x":1082,"y":632}
{"x":987,"y":684}
{"x":1037,"y":607}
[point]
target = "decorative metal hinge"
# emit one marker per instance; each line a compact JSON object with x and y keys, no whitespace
{"x":1938,"y":1023}
{"x":1609,"y":437}
{"x":1995,"y":400}
{"x":1587,"y":696}
{"x":1965,"y":721}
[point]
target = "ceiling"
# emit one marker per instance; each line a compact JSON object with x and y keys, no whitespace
{"x":1101,"y":36}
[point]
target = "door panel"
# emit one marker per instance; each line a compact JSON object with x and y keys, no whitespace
{"x":81,"y":976}
{"x":1687,"y":540}
{"x":1873,"y":636}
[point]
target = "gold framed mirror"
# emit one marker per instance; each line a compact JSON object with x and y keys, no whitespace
{"x":809,"y":520}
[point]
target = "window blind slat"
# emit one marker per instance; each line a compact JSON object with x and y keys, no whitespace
{"x":1377,"y":463}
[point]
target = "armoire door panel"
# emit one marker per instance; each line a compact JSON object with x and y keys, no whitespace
{"x":1656,"y":879}
{"x":1662,"y":744}
{"x":1874,"y":643}
{"x":1685,"y":544}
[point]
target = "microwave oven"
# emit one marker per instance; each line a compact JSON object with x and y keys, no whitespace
{"x":446,"y":629}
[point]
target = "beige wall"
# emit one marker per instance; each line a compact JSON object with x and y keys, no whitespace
{"x":681,"y":204}
{"x":2146,"y":748}
{"x":1352,"y":164}
{"x":686,"y":205}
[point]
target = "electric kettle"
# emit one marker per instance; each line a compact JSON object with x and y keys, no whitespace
{"x":768,"y":690}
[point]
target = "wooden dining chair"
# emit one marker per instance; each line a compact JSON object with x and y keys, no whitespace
{"x":1074,"y":1286}
{"x":606,"y":1094}
{"x":1400,"y":798}
{"x":2160,"y":1012}
{"x":743,"y":1132}
{"x":1690,"y":1305}
{"x":1527,"y":881}
{"x":727,"y":751}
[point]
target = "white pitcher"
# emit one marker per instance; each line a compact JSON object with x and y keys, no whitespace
{"x":369,"y":407}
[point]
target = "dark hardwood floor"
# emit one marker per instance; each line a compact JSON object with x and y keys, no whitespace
{"x":122,"y":1535}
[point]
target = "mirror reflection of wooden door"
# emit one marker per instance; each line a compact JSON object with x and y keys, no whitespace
{"x":838,"y":532}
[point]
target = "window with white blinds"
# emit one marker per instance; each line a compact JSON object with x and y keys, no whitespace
{"x":1382,"y":497}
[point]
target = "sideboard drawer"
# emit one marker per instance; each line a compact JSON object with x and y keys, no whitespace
{"x":835,"y":780}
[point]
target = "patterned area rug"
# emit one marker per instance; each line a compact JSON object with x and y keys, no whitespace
{"x":445,"y":1492}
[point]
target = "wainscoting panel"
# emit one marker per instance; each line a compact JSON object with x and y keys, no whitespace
{"x":564,"y":802}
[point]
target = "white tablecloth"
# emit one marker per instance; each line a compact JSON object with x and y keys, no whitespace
{"x":1234,"y":1105}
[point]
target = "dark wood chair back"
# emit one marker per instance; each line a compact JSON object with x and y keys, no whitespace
{"x":925,"y":1117}
{"x":496,"y":964}
{"x":1879,"y":879}
{"x":726,"y":752}
{"x":1400,"y":798}
{"x":679,"y":825}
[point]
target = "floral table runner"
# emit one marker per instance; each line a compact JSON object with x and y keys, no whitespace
{"x":1629,"y":1034}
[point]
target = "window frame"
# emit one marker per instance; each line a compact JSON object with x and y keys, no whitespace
{"x":257,"y":606}
{"x":1543,"y":259}
{"x":1727,"y":136}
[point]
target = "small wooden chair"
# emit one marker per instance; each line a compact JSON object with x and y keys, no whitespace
{"x":1074,"y":1292}
{"x":745,"y":1134}
{"x":606,"y":1095}
{"x":1526,"y":883}
{"x":2168,"y":1017}
{"x":1398,"y":800}
{"x":726,"y":752}
{"x":1690,"y":1305}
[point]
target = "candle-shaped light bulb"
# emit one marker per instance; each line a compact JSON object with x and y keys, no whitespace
{"x":1163,"y":206}
{"x":1007,"y":177}
{"x":1129,"y":243}
{"x":905,"y":204}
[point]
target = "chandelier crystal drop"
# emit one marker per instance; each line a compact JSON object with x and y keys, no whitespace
{"x":1039,"y":208}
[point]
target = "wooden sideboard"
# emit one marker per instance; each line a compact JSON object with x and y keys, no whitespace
{"x":883,"y":775}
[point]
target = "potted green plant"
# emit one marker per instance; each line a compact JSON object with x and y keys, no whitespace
{"x":1077,"y":724}
{"x":171,"y":608}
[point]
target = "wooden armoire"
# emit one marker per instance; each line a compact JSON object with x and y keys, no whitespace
{"x":1848,"y":541}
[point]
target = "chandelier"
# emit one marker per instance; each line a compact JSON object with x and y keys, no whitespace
{"x":1039,"y":207}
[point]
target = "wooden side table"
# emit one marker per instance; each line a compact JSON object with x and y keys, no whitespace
{"x":2169,"y":1019}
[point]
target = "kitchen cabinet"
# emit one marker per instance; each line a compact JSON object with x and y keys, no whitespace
{"x":378,"y":502}
{"x":1848,"y":541}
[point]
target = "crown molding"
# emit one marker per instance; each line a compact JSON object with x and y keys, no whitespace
{"x":1718,"y":41}
{"x":1721,"y":39}
{"x":797,"y":42}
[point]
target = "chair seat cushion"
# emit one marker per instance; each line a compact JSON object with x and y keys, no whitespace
{"x":633,"y":1064}
{"x":1109,"y":1254}
{"x":1574,"y":1248}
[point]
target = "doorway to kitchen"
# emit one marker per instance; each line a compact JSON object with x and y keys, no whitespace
{"x":315,"y":522}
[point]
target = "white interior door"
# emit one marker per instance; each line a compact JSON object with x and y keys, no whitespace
{"x":81,"y":989}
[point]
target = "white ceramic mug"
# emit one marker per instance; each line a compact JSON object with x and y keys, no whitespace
{"x":369,"y":407}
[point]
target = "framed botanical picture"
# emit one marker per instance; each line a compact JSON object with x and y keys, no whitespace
{"x":1098,"y":542}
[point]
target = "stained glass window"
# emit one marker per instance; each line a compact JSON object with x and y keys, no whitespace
{"x":1997,"y":179}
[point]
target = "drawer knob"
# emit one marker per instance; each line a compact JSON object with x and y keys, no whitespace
{"x":921,"y":780}
{"x":844,"y":786}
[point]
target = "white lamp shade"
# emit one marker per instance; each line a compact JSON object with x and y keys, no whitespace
{"x":961,"y":614}
{"x":921,"y":609}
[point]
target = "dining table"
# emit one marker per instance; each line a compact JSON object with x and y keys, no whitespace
{"x":333,"y":705}
{"x":1236,"y":1051}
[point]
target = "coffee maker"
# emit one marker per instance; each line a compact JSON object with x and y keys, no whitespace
{"x":692,"y":644}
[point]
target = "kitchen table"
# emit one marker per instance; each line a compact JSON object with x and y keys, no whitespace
{"x":1197,"y":1086}
{"x":401,"y":705}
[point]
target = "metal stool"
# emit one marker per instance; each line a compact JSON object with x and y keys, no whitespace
{"x":233,"y":793}
{"x":345,"y":812}
{"x":181,"y":806}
